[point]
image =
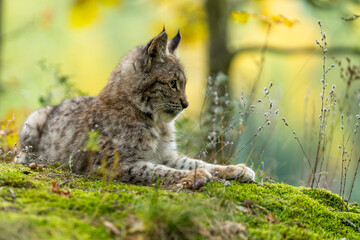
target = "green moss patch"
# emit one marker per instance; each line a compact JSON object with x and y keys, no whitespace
{"x":92,"y":208}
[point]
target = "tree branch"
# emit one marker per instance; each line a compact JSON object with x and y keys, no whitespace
{"x":300,"y":50}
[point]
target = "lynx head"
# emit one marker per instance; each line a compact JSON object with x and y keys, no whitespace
{"x":151,"y":78}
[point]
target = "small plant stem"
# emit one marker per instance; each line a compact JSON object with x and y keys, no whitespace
{"x":322,"y":116}
{"x":308,"y":160}
{"x":242,"y":148}
{"x":262,"y":59}
{"x":352,"y":224}
{"x":353,"y":181}
{"x":342,"y":181}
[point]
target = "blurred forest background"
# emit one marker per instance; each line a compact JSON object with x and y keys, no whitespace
{"x":50,"y":50}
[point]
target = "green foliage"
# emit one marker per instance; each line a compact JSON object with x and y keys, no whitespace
{"x":92,"y":142}
{"x":8,"y":138}
{"x":62,"y":88}
{"x":30,"y":209}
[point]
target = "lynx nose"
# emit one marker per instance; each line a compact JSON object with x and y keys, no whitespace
{"x":184,"y":104}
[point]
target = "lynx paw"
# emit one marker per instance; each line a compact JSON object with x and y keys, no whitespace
{"x":238,"y":172}
{"x":194,"y":180}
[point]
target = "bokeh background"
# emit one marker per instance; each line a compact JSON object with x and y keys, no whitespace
{"x":253,"y":42}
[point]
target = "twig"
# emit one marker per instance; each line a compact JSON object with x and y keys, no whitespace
{"x":258,"y":77}
{"x":352,"y":224}
{"x":64,"y":182}
{"x":248,"y":142}
{"x":13,"y":195}
{"x":353,"y":181}
{"x":352,"y":18}
{"x":266,"y":186}
{"x":57,"y":168}
{"x":337,"y":50}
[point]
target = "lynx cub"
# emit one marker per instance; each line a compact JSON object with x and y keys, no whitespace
{"x":134,"y":117}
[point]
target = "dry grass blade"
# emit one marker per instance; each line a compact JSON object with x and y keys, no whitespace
{"x":116,"y":231}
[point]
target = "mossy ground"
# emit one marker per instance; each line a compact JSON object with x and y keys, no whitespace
{"x":99,"y":209}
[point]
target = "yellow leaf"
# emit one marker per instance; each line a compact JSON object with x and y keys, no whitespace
{"x":110,"y":2}
{"x":277,"y":19}
{"x":241,"y":17}
{"x":288,"y":22}
{"x":263,"y":18}
{"x":83,"y":12}
{"x":281,"y":19}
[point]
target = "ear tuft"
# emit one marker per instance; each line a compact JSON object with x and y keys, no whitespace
{"x":174,"y":42}
{"x":156,"y":49}
{"x":157,"y":46}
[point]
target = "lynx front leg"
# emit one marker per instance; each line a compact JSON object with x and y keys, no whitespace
{"x":237,"y":172}
{"x":148,"y":173}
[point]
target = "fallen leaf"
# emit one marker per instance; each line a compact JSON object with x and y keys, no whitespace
{"x":55,"y":189}
{"x":242,"y":209}
{"x":112,"y":228}
{"x":26,"y":172}
{"x":301,"y":226}
{"x":232,"y":228}
{"x":134,"y":225}
{"x":271,"y":219}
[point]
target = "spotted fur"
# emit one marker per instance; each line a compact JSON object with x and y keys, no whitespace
{"x":134,"y":117}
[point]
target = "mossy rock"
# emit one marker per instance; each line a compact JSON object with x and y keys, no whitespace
{"x":92,"y":208}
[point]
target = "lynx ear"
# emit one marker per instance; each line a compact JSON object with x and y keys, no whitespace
{"x":157,"y":46}
{"x":174,"y":42}
{"x":156,"y":49}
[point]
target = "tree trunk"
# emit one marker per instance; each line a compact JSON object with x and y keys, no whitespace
{"x":219,"y":56}
{"x":219,"y":59}
{"x":1,"y":38}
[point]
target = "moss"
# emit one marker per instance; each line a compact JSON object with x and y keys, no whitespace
{"x":279,"y":212}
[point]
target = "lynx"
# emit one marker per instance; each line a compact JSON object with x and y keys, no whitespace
{"x":134,"y":117}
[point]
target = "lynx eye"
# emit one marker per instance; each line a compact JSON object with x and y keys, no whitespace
{"x":173,"y":84}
